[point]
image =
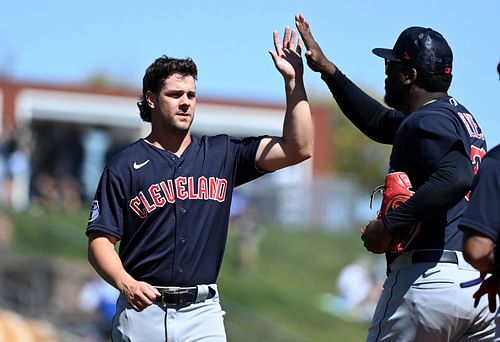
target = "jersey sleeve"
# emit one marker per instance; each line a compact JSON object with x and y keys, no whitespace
{"x":246,"y":169}
{"x":435,"y":134}
{"x":483,"y":214}
{"x":106,"y":213}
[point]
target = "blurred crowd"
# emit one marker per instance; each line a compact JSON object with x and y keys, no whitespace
{"x":52,"y":166}
{"x":15,"y":170}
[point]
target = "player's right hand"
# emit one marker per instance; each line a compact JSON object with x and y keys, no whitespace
{"x":287,"y":55}
{"x":140,"y":294}
{"x":315,"y":57}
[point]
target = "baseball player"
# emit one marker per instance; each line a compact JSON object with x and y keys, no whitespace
{"x":438,"y":144}
{"x":166,"y":198}
{"x":481,"y":226}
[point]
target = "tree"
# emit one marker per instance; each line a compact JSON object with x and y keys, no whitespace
{"x":356,"y":154}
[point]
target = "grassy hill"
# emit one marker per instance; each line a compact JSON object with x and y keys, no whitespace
{"x":294,"y":269}
{"x":277,"y":301}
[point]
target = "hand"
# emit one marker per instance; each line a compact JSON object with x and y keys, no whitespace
{"x":316,"y":59}
{"x":287,"y":58}
{"x":139,"y":294}
{"x":376,"y":237}
{"x":491,"y":287}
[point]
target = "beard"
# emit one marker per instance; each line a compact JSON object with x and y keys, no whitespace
{"x":390,"y":101}
{"x":394,"y":99}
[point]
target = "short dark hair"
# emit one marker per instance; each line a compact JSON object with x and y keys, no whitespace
{"x":157,"y":73}
{"x":433,"y":82}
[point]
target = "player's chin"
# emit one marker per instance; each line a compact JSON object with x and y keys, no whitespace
{"x":184,"y":122}
{"x":183,"y":127}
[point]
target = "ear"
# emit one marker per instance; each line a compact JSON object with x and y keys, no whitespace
{"x":151,"y":99}
{"x":410,"y":76}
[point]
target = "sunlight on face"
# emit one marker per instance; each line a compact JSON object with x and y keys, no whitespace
{"x":176,"y":103}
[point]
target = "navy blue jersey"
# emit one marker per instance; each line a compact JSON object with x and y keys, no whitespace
{"x":421,"y":141}
{"x":171,"y":213}
{"x":483,"y":212}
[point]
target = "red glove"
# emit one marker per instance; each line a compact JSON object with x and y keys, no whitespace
{"x":396,"y":190}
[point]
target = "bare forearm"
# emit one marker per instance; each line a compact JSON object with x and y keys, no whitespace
{"x":297,"y":125}
{"x":296,"y":143}
{"x":103,"y":257}
{"x":479,"y":252}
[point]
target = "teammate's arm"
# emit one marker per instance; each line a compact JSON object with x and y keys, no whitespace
{"x":103,"y":257}
{"x":296,"y":143}
{"x":449,"y":182}
{"x":367,"y":114}
{"x":479,"y":251}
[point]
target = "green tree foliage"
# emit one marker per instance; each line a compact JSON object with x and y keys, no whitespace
{"x":356,"y":154}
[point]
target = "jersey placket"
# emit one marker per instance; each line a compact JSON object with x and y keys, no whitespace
{"x":180,"y":212}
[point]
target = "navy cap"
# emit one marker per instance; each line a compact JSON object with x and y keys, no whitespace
{"x":422,"y":48}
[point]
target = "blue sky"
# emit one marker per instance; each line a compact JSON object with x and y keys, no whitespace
{"x":66,"y":41}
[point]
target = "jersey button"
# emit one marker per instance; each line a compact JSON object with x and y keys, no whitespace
{"x":182,"y":240}
{"x":180,"y":269}
{"x":183,"y":210}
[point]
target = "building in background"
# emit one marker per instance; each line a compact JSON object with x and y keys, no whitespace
{"x":67,"y":133}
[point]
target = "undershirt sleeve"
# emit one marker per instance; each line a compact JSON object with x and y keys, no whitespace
{"x":447,"y":184}
{"x":368,"y":115}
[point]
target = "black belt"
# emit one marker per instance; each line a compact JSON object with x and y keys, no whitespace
{"x":449,"y":257}
{"x":180,"y":297}
{"x":421,"y":256}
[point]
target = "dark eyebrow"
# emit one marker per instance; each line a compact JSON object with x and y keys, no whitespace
{"x":174,"y":92}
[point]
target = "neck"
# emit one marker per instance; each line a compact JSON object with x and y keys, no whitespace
{"x":421,"y":98}
{"x":173,"y":143}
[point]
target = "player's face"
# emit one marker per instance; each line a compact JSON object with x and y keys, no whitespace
{"x":394,"y":90}
{"x":174,"y":106}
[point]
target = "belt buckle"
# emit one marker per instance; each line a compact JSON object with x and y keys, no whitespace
{"x":170,"y":289}
{"x":172,"y":292}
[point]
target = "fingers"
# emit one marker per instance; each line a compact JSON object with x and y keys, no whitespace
{"x":286,"y":38}
{"x":492,"y":301}
{"x":488,"y":288}
{"x":143,"y":296}
{"x":277,"y":44}
{"x":477,"y":297}
{"x":287,"y":54}
{"x":290,"y":38}
{"x":299,"y":46}
{"x":303,"y":27}
{"x":291,"y":42}
{"x":301,"y":23}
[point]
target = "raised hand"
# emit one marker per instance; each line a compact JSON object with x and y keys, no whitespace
{"x":315,"y":57}
{"x":287,"y":55}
